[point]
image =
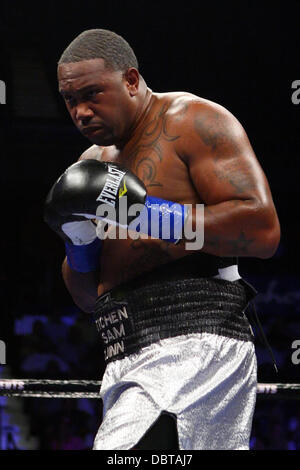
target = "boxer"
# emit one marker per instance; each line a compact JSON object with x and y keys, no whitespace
{"x":181,"y":365}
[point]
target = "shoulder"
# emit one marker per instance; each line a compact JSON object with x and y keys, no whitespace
{"x":184,"y":107}
{"x":201,"y":122}
{"x":94,"y":152}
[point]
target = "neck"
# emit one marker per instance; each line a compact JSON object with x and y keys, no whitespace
{"x":141,"y":114}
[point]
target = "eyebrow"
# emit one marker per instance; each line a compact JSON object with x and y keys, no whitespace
{"x":81,"y":90}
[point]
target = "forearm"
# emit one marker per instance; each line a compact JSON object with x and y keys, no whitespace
{"x":83,"y":287}
{"x":239,"y":228}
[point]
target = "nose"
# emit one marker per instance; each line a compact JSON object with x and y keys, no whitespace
{"x":83,"y":113}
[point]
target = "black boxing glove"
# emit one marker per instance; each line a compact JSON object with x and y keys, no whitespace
{"x":104,"y":190}
{"x":83,"y":247}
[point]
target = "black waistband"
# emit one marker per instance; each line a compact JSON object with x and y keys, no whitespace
{"x":193,"y":266}
{"x":129,"y":318}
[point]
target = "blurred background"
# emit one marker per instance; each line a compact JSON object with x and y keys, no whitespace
{"x":243,"y":55}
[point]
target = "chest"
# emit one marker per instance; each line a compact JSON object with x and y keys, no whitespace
{"x":154,"y":160}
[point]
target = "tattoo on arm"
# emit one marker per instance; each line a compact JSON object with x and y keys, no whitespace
{"x":233,"y":169}
{"x":210,"y":129}
{"x":236,"y":247}
{"x":238,"y":176}
{"x":241,"y":244}
{"x":215,"y":134}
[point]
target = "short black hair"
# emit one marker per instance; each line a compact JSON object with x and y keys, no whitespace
{"x":100,"y":44}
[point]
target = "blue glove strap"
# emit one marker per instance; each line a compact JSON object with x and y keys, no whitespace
{"x":84,"y":258}
{"x":165,"y":219}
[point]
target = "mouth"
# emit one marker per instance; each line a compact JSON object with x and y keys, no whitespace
{"x":88,"y":131}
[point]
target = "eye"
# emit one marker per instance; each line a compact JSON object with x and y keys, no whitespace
{"x":69,"y":99}
{"x":92,"y":94}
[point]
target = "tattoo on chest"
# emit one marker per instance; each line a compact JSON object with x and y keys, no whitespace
{"x":147,"y":152}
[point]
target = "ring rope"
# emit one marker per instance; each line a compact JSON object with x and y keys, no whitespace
{"x":45,"y":388}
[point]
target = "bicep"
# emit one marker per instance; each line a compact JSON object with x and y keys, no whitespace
{"x":221,"y":161}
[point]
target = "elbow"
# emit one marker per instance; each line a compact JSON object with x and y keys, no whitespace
{"x":270,"y":244}
{"x":82,"y":287}
{"x":83,"y":304}
{"x":269,"y":238}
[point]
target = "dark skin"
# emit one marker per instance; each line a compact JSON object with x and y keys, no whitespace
{"x":185,"y":149}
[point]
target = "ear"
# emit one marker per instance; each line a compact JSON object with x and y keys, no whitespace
{"x":132,"y":78}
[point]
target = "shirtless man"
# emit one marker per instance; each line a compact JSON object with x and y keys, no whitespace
{"x":181,"y":366}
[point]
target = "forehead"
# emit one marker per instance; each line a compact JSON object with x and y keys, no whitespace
{"x":86,"y":72}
